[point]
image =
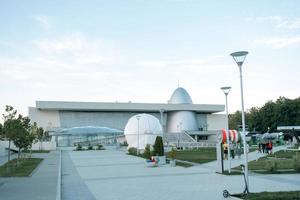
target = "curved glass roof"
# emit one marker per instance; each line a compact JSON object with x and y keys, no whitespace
{"x":90,"y":130}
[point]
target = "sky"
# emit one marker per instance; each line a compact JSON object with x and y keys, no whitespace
{"x":140,"y":51}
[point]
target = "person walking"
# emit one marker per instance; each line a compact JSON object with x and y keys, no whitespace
{"x":232,"y":147}
{"x":225,"y":146}
{"x":263,"y":145}
{"x":259,"y":147}
{"x":270,"y":146}
{"x":239,"y":151}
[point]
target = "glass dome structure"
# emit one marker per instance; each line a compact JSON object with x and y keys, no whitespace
{"x":73,"y":135}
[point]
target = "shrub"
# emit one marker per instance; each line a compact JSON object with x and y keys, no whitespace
{"x":124,"y":144}
{"x":297,"y":162}
{"x":90,"y":147}
{"x":132,"y":151}
{"x":99,"y":147}
{"x":173,"y":153}
{"x":158,"y":147}
{"x":147,"y":152}
{"x":79,"y":147}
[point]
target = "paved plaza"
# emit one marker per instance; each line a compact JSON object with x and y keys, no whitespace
{"x":41,"y":185}
{"x":111,"y":174}
{"x":114,"y":175}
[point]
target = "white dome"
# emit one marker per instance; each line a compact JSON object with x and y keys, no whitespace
{"x":180,"y":96}
{"x":146,"y":129}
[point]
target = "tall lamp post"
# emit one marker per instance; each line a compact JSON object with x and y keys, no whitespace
{"x":226,"y":91}
{"x":138,"y":135}
{"x":239,"y":58}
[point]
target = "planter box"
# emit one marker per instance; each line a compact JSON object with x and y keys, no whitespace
{"x":162,"y":160}
{"x":172,"y":163}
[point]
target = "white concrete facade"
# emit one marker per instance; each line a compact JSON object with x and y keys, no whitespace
{"x":44,"y":118}
{"x":178,"y":115}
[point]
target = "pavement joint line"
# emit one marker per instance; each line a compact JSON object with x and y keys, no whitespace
{"x":107,"y":165}
{"x":144,"y":176}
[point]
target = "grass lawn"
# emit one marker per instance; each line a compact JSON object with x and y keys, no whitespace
{"x":291,"y":195}
{"x":25,"y":168}
{"x":232,"y":173}
{"x":37,"y":151}
{"x":201,"y":155}
{"x":284,"y":163}
{"x":183,"y":164}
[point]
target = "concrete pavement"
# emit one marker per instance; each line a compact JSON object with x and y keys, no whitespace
{"x":114,"y":175}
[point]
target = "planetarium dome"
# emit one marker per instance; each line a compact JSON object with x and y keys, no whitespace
{"x":142,"y":129}
{"x":180,"y":96}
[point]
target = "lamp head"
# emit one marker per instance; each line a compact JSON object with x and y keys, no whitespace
{"x":239,"y":57}
{"x":226,"y":89}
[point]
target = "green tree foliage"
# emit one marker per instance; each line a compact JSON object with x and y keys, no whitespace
{"x":282,"y":112}
{"x":23,"y":138}
{"x":235,"y":120}
{"x":147,"y":151}
{"x":10,"y":125}
{"x":1,"y":131}
{"x":158,"y":147}
{"x":17,"y":129}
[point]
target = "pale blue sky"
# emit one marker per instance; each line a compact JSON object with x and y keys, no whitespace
{"x":138,"y":50}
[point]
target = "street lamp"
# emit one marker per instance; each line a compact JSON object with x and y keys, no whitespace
{"x":138,"y":135}
{"x":239,"y":58}
{"x":178,"y":133}
{"x":226,"y":91}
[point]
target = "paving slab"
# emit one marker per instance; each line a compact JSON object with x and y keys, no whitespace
{"x":73,"y":187}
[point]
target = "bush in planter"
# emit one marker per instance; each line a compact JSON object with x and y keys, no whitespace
{"x":79,"y":147}
{"x":90,"y":147}
{"x":158,"y":147}
{"x":147,"y":152}
{"x":132,"y":151}
{"x":99,"y":147}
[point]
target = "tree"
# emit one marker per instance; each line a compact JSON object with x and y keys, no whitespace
{"x":147,"y":152}
{"x":23,"y":138}
{"x":10,"y":125}
{"x":1,"y":131}
{"x":282,"y":112}
{"x":235,"y":120}
{"x":17,"y":129}
{"x":158,"y":147}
